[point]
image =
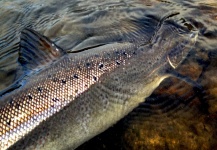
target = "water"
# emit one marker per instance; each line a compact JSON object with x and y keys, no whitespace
{"x":176,"y":115}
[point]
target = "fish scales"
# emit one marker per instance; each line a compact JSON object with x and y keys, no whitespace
{"x":87,"y":91}
{"x":52,"y":90}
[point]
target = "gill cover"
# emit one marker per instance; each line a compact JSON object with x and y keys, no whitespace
{"x":180,"y":51}
{"x":181,"y":45}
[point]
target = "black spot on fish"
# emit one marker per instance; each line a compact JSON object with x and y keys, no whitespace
{"x":134,"y":53}
{"x":49,"y":76}
{"x":118,"y":63}
{"x":30,"y":97}
{"x":141,"y":49}
{"x":96,"y":55}
{"x":64,"y":81}
{"x":94,"y":78}
{"x":116,"y":79}
{"x":39,"y":89}
{"x":8,"y":122}
{"x":124,"y":53}
{"x":75,"y":76}
{"x":11,"y":102}
{"x":55,"y":99}
{"x":88,"y":65}
{"x":101,"y":66}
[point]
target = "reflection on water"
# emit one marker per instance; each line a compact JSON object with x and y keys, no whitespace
{"x":176,"y":115}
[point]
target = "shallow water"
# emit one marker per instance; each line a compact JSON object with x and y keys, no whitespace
{"x":176,"y":115}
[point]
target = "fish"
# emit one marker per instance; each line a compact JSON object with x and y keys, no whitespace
{"x":66,"y":98}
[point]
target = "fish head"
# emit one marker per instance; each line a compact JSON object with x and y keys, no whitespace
{"x":174,"y":42}
{"x":181,"y":47}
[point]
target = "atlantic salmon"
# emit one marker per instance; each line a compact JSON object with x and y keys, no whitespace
{"x":67,"y":98}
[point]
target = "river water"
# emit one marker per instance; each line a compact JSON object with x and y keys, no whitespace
{"x":176,"y":115}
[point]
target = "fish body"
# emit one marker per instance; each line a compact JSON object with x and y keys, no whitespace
{"x":70,"y":98}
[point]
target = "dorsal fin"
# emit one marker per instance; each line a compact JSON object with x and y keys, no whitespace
{"x":37,"y":50}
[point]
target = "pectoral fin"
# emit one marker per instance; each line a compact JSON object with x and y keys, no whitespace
{"x":188,"y":80}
